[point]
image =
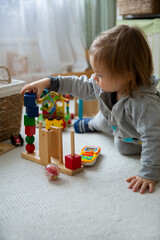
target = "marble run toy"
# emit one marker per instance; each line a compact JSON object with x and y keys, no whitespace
{"x":53,"y":110}
{"x":89,"y":155}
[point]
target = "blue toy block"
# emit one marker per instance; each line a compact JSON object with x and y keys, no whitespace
{"x":32,"y":111}
{"x":30,"y":99}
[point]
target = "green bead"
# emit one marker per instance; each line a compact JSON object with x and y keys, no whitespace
{"x":30,"y":140}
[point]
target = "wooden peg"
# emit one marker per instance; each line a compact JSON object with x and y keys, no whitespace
{"x":40,"y":125}
{"x":72,"y":144}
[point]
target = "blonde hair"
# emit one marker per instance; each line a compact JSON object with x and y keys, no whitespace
{"x":125,"y":49}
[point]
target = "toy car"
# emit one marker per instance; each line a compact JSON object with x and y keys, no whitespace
{"x":17,"y":140}
{"x":89,"y":155}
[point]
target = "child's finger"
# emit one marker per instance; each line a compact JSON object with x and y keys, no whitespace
{"x":137,"y":185}
{"x":130,"y":179}
{"x":26,"y":88}
{"x":39,"y":93}
{"x":151,"y":187}
{"x":132,"y":183}
{"x":143,"y":187}
{"x":23,"y":89}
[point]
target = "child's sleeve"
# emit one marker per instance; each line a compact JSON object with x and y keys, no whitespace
{"x":80,"y":87}
{"x":54,"y":84}
{"x":146,"y":119}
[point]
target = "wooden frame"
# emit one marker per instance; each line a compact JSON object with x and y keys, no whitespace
{"x":50,"y":150}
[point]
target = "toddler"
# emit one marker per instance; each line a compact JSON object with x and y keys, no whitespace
{"x":127,"y":95}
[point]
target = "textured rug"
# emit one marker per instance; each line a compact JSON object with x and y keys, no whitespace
{"x":94,"y":204}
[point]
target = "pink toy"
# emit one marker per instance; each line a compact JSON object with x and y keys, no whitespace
{"x":52,"y":171}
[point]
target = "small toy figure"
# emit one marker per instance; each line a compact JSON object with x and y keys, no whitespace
{"x":89,"y":155}
{"x":52,"y":171}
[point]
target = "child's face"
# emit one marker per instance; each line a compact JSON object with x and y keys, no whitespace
{"x":105,"y":80}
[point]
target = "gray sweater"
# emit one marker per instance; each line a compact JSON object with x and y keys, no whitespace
{"x":135,"y":120}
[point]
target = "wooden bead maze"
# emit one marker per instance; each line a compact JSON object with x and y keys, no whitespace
{"x":51,"y":150}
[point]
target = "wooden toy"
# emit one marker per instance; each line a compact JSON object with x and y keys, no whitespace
{"x":32,"y":111}
{"x":30,"y":140}
{"x":30,"y":130}
{"x":50,"y":144}
{"x":89,"y":155}
{"x":29,"y":121}
{"x":73,"y":161}
{"x":29,"y":99}
{"x":30,"y":147}
{"x":50,"y":150}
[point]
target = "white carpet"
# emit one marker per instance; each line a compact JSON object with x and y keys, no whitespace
{"x":92,"y":205}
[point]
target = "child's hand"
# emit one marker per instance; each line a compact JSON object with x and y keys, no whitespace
{"x":36,"y":87}
{"x":137,"y":182}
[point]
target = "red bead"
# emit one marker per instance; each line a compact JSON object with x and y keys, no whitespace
{"x":30,"y":148}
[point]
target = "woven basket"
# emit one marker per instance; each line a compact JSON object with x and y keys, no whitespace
{"x":138,"y":7}
{"x":10,"y":112}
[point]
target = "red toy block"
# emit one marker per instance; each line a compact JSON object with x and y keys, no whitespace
{"x":30,"y":130}
{"x":73,"y":162}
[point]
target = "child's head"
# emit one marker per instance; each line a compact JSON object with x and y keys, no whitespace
{"x":125,"y":53}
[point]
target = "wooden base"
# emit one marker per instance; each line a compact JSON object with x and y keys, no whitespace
{"x":5,"y":147}
{"x":35,"y":158}
{"x":65,"y":170}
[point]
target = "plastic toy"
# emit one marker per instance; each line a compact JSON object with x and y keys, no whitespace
{"x":52,"y":171}
{"x":55,"y":122}
{"x":53,"y":110}
{"x":89,"y":155}
{"x":17,"y":140}
{"x":80,"y":108}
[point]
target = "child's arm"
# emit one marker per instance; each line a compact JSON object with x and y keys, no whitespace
{"x":145,"y":113}
{"x":137,"y":183}
{"x":80,"y":87}
{"x":37,"y":86}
